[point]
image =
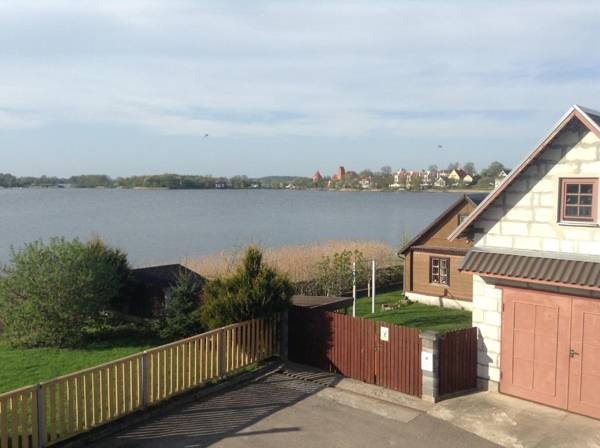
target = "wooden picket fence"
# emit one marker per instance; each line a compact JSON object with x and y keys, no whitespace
{"x":52,"y":411}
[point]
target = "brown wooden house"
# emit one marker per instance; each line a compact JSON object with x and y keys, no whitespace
{"x":431,"y":261}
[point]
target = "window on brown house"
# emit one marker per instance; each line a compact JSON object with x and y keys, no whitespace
{"x":578,"y":201}
{"x":439,"y":270}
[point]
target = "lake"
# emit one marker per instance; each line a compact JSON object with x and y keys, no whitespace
{"x":159,"y":226}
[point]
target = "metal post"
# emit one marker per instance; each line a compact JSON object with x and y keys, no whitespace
{"x":144,"y":382}
{"x":41,"y":422}
{"x":373,"y":289}
{"x":354,"y":289}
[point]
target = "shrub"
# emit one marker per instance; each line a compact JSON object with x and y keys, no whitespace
{"x":181,"y":316}
{"x":124,"y":277}
{"x":335,"y":272}
{"x":253,"y":291}
{"x":50,"y":293}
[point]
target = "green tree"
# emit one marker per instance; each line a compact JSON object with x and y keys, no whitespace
{"x":181,"y":316}
{"x":469,"y":168}
{"x":255,"y":290}
{"x":489,"y":174}
{"x":50,"y":293}
{"x":415,"y":182}
{"x":334,"y":273}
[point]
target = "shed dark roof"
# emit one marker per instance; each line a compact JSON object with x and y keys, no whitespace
{"x":477,"y":198}
{"x":583,"y":272}
{"x":163,"y":275}
{"x":324,"y":303}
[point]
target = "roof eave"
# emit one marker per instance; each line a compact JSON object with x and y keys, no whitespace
{"x":421,"y":234}
{"x":574,"y":111}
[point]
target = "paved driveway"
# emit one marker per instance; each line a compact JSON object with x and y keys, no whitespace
{"x":280,"y":411}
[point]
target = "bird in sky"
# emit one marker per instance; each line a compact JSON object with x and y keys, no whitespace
{"x":440,"y":146}
{"x":205,"y":135}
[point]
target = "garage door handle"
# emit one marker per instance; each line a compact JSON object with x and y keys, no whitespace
{"x":572,"y":353}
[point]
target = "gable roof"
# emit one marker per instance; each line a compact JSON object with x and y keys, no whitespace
{"x":473,"y":198}
{"x":164,"y":275}
{"x":588,"y":117}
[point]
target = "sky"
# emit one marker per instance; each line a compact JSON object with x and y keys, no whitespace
{"x":285,"y":87}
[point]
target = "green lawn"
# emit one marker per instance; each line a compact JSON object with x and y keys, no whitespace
{"x":20,"y":368}
{"x":417,"y":315}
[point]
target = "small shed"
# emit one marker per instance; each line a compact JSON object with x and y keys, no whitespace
{"x":153,"y":287}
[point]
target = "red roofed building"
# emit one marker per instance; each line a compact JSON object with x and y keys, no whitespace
{"x":339,"y":173}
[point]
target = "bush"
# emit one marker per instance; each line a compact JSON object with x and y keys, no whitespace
{"x":335,"y":272}
{"x":181,"y":316}
{"x":253,"y":291}
{"x":50,"y":293}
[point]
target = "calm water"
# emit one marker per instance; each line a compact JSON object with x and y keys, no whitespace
{"x":164,"y":225}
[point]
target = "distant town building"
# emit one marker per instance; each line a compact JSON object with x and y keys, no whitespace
{"x":317,"y":177}
{"x":441,"y":182}
{"x":500,"y":177}
{"x":399,"y":179}
{"x":339,"y":173}
{"x":457,"y":175}
{"x":365,"y":182}
{"x":350,"y":174}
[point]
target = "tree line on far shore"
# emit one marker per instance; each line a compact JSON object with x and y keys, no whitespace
{"x":381,"y":179}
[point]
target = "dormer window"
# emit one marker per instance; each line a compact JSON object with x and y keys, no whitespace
{"x":579,"y":199}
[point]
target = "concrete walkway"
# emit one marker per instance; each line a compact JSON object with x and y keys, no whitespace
{"x":283,"y":411}
{"x":512,"y":422}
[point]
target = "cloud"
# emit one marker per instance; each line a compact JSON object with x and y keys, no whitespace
{"x":335,"y":69}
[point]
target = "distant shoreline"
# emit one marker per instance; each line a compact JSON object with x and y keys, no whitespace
{"x":333,"y":190}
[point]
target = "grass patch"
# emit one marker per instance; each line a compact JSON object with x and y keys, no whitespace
{"x":22,"y":367}
{"x":416,"y":315}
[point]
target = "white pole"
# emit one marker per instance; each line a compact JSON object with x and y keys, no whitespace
{"x":353,"y":289}
{"x":369,"y":287}
{"x":373,"y":289}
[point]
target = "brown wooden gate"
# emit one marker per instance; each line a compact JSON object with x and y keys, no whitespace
{"x":353,"y":347}
{"x":458,"y":361}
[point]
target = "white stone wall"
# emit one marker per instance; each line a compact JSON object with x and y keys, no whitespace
{"x":439,"y":301}
{"x":487,"y":317}
{"x":525,"y":216}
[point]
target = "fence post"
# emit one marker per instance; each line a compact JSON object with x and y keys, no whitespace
{"x":39,"y":416}
{"x":144,"y":380}
{"x":284,"y":336}
{"x":430,"y":365}
{"x":221,"y":347}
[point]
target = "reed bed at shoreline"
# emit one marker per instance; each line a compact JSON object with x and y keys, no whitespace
{"x":299,"y":262}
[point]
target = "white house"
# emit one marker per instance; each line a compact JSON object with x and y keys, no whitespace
{"x":500,"y":177}
{"x":536,"y":271}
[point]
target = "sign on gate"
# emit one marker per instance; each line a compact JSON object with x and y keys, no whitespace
{"x":384,"y":334}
